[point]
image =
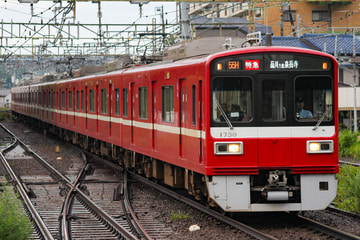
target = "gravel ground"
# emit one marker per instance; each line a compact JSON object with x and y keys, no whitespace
{"x":162,"y":206}
{"x":159,"y":204}
{"x":46,"y":146}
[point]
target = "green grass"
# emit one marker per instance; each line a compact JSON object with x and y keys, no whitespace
{"x":348,"y":194}
{"x":349,"y":145}
{"x":14,"y":224}
{"x":178,"y":216}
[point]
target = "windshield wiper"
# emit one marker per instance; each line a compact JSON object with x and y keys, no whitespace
{"x":227,"y":120}
{"x":321,"y":119}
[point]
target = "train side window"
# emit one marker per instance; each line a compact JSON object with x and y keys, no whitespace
{"x":49,"y":99}
{"x":117,"y":101}
{"x":143,"y":102}
{"x":40,"y":98}
{"x":63,"y":99}
{"x":82,"y":101}
{"x":78,"y":100}
{"x":92,"y":100}
{"x":104,"y":101}
{"x":125,"y":102}
{"x":54,"y":99}
{"x":70,"y":100}
{"x":194,"y":104}
{"x":168,"y":103}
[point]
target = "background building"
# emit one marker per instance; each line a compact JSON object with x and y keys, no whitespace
{"x":289,"y":18}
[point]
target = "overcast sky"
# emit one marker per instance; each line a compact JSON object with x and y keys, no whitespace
{"x":87,"y":12}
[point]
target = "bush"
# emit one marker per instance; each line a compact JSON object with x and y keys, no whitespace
{"x":348,"y":196}
{"x":349,"y":144}
{"x":14,"y":223}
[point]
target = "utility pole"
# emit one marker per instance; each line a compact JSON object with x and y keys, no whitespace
{"x":184,"y":20}
{"x":355,"y":83}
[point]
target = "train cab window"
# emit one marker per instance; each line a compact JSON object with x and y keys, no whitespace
{"x":125,"y":102}
{"x":63,"y":99}
{"x":168,"y":103}
{"x":77,"y":100}
{"x":273,"y":100}
{"x":231,"y":100}
{"x":117,"y":101}
{"x":92,"y":100}
{"x":82,"y":101}
{"x":143,"y":102}
{"x":314,"y":98}
{"x":104,"y":101}
{"x":70,"y":100}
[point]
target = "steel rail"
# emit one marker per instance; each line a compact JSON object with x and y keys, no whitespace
{"x":349,"y":163}
{"x":67,"y":205}
{"x":242,"y":227}
{"x":135,"y":221}
{"x":41,"y":226}
{"x":327,"y":229}
{"x":97,"y":210}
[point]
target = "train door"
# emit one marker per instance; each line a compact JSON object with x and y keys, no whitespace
{"x":73,"y":106}
{"x":153,"y":98}
{"x":60,"y":101}
{"x":52,"y":104}
{"x":66,"y":106}
{"x":183,"y":117}
{"x":97,"y":107}
{"x":132,"y":110}
{"x":110,"y":103}
{"x":86,"y":108}
{"x":200,"y":124}
{"x":274,"y":99}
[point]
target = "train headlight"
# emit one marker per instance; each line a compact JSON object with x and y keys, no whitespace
{"x":320,"y":146}
{"x":228,"y":148}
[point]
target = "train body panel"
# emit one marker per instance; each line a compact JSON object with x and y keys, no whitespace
{"x":229,"y":126}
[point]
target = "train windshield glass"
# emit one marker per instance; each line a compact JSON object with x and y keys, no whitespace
{"x":273,"y":97}
{"x":232,"y":99}
{"x":313,"y":98}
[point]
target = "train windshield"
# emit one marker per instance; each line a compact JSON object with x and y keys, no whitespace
{"x":280,"y":100}
{"x":272,"y":89}
{"x":313,"y":98}
{"x":232,"y":99}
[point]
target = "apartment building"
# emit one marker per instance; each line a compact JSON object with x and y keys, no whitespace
{"x":289,"y":18}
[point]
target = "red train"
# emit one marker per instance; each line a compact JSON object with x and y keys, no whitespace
{"x":230,"y":127}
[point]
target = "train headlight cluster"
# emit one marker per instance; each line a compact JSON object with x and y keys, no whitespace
{"x":320,"y":146}
{"x":228,"y":148}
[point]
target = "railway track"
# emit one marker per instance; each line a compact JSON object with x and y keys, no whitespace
{"x":102,"y":182}
{"x":78,"y":213}
{"x":349,"y":163}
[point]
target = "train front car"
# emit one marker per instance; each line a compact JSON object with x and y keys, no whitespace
{"x":273,"y":130}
